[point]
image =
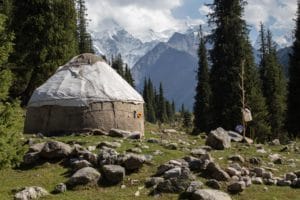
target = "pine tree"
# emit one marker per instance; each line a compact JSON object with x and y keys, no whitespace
{"x":187,"y":119}
{"x":203,"y":91}
{"x":84,"y":38}
{"x":293,"y":115}
{"x":10,"y":112}
{"x":45,"y":38}
{"x":232,"y":50}
{"x":274,"y":83}
{"x":118,"y":64}
{"x":149,"y":101}
{"x":128,"y":76}
{"x":162,"y":113}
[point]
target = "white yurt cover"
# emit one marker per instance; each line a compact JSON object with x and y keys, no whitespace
{"x":80,"y":83}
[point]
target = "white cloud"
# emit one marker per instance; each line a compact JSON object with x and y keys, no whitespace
{"x":276,"y":14}
{"x":205,"y":10}
{"x":137,"y":16}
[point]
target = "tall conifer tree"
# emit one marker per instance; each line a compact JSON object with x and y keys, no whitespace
{"x":45,"y":38}
{"x":231,"y":51}
{"x":203,"y":91}
{"x":273,"y":82}
{"x":294,"y":83}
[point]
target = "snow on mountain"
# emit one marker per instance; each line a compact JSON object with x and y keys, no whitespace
{"x":114,"y":40}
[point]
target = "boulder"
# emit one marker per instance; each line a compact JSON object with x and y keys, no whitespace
{"x":218,"y":139}
{"x":275,"y":142}
{"x":173,"y":185}
{"x":133,"y":161}
{"x":37,"y":147}
{"x":79,"y":164}
{"x":153,"y":181}
{"x":236,"y":187}
{"x":169,"y":131}
{"x":214,"y":184}
{"x":108,"y":156}
{"x":172,"y":173}
{"x":259,"y":171}
{"x":98,"y":132}
{"x":114,"y":174}
{"x":195,"y":185}
{"x":235,"y":137}
{"x":29,"y":193}
{"x":232,"y":171}
{"x":60,"y":188}
{"x":296,"y":183}
{"x":257,"y":180}
{"x":255,"y":161}
{"x":214,"y":171}
{"x":290,"y":176}
{"x":31,"y":158}
{"x":237,"y":158}
{"x":84,"y":176}
{"x":210,"y":194}
{"x":283,"y":182}
{"x":55,"y":150}
{"x":119,"y":133}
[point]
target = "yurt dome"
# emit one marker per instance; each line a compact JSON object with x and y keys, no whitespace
{"x":85,"y":93}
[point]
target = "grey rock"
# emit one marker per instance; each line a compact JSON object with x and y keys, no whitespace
{"x":195,"y":185}
{"x":31,"y":158}
{"x":247,"y":180}
{"x":158,"y":152}
{"x":169,"y":131}
{"x":214,"y":171}
{"x":198,"y":152}
{"x":214,"y":184}
{"x":109,"y":144}
{"x":290,"y":176}
{"x":55,"y":150}
{"x":134,"y":150}
{"x":236,"y":166}
{"x":153,"y":181}
{"x":172,"y":146}
{"x":84,"y":176}
{"x":232,"y":172}
{"x":99,"y":132}
{"x":196,"y":164}
{"x":29,"y":193}
{"x":218,"y":139}
{"x":235,"y":137}
{"x":210,"y":194}
{"x":270,"y":181}
{"x":114,"y":174}
{"x":259,"y":171}
{"x":108,"y":156}
{"x":275,"y":142}
{"x":60,"y":188}
{"x":119,"y":133}
{"x":37,"y":147}
{"x":236,"y":187}
{"x":283,"y":182}
{"x":163,"y":168}
{"x":153,"y":140}
{"x":173,"y":185}
{"x":79,"y":164}
{"x":297,"y":173}
{"x":257,"y":180}
{"x":296,"y":183}
{"x":267,"y":175}
{"x":237,"y":158}
{"x":255,"y":161}
{"x":133,"y":161}
{"x":172,"y":173}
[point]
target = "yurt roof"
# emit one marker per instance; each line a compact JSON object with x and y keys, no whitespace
{"x":83,"y":80}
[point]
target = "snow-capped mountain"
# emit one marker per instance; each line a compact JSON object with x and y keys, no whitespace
{"x":114,"y":40}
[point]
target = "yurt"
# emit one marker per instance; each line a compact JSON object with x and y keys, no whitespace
{"x":86,"y":93}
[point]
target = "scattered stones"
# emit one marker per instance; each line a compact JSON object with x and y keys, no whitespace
{"x":270,"y":181}
{"x":172,"y":173}
{"x":214,"y":184}
{"x":99,"y":132}
{"x":236,"y":187}
{"x":60,"y":188}
{"x":210,"y":194}
{"x":31,"y":158}
{"x":114,"y":174}
{"x":218,"y":139}
{"x":259,"y":171}
{"x":237,"y":158}
{"x":214,"y":171}
{"x":29,"y":193}
{"x":84,"y":176}
{"x":267,"y":175}
{"x":232,"y":171}
{"x":108,"y":156}
{"x":195,"y":185}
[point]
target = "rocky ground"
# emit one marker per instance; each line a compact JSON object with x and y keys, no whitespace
{"x":166,"y":164}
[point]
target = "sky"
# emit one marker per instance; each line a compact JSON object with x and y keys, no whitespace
{"x":138,"y":16}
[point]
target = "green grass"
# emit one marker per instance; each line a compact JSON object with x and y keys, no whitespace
{"x":48,"y":175}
